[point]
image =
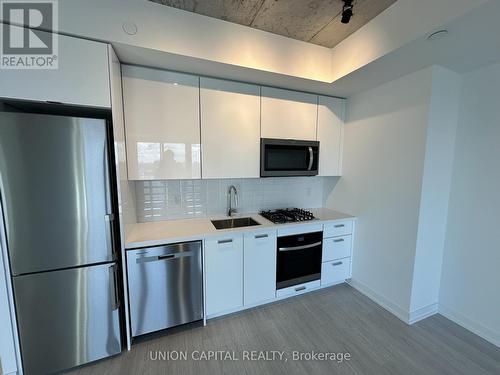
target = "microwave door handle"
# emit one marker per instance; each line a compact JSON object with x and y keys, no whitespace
{"x":311,"y":158}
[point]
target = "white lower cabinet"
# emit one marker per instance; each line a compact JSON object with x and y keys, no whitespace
{"x":298,"y":289}
{"x":224,"y":273}
{"x":259,"y":267}
{"x":336,"y":248}
{"x":338,"y":228}
{"x":337,"y":252}
{"x":335,"y":271}
{"x":240,"y":269}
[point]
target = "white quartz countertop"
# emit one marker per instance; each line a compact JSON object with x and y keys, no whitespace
{"x":171,"y":231}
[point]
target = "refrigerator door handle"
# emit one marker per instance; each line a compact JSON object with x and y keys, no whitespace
{"x":114,"y":290}
{"x":110,"y":233}
{"x":107,"y":182}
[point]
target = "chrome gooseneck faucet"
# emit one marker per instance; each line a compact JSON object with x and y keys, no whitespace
{"x":232,"y":210}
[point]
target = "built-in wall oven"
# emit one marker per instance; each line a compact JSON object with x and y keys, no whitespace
{"x":288,"y":157}
{"x":298,"y":259}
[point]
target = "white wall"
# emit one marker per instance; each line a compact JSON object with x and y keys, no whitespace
{"x":400,"y":24}
{"x":399,"y":144}
{"x":175,"y":39}
{"x":433,"y":212}
{"x":171,"y":30}
{"x":384,"y":149}
{"x":471,"y":265}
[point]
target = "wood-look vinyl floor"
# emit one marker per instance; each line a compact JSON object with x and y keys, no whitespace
{"x":337,"y":320}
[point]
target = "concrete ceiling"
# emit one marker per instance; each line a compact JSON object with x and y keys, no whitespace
{"x":313,"y":21}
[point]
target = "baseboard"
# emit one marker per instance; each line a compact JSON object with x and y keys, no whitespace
{"x":471,"y":325}
{"x":390,"y":306}
{"x":422,"y":313}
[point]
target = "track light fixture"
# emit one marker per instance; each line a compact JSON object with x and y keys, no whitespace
{"x":347,"y":11}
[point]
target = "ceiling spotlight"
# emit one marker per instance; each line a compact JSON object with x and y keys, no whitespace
{"x":347,"y":11}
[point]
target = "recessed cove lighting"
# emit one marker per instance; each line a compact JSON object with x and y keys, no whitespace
{"x":438,"y":34}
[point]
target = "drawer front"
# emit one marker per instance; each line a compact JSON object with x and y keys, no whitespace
{"x":335,"y":271}
{"x":339,"y":228}
{"x":336,"y":248}
{"x":298,"y":289}
{"x":299,"y":229}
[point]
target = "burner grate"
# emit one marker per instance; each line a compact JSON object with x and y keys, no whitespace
{"x":287,"y":215}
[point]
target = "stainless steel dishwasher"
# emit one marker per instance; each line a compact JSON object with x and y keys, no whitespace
{"x":165,"y":286}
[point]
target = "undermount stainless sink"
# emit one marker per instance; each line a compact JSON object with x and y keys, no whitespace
{"x":234,"y":223}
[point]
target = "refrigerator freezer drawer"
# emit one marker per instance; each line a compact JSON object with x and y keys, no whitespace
{"x":67,"y":318}
{"x":165,"y":286}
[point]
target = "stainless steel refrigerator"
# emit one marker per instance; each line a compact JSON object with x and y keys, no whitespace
{"x":57,"y":206}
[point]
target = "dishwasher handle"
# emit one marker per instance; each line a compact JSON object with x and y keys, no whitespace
{"x":141,"y":259}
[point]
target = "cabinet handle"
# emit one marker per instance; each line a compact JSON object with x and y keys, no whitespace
{"x":340,"y":226}
{"x":339,"y":240}
{"x":225,"y":241}
{"x":261,"y":236}
{"x":300,"y":288}
{"x":336,"y":264}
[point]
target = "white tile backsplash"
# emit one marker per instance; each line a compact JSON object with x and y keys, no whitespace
{"x":176,"y":199}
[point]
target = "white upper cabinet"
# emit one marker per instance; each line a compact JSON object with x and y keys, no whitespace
{"x":330,"y":129}
{"x":230,"y":129}
{"x":162,"y":124}
{"x":288,"y":114}
{"x":82,"y":76}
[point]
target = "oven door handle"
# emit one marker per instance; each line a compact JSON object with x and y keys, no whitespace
{"x":311,"y":158}
{"x":303,"y":247}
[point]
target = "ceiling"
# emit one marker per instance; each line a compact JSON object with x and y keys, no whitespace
{"x":471,"y":44}
{"x":313,"y":21}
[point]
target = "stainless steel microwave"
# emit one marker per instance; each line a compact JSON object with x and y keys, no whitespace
{"x":288,"y":157}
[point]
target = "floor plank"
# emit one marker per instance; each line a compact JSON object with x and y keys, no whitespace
{"x":336,"y":319}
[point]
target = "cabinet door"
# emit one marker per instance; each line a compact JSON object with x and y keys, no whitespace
{"x":224,"y":273}
{"x":161,"y":123}
{"x":288,"y":114}
{"x":330,"y":123}
{"x":82,"y":77}
{"x":259,"y":267}
{"x":230,"y":129}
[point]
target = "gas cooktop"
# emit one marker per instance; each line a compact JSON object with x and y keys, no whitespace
{"x":287,"y":215}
